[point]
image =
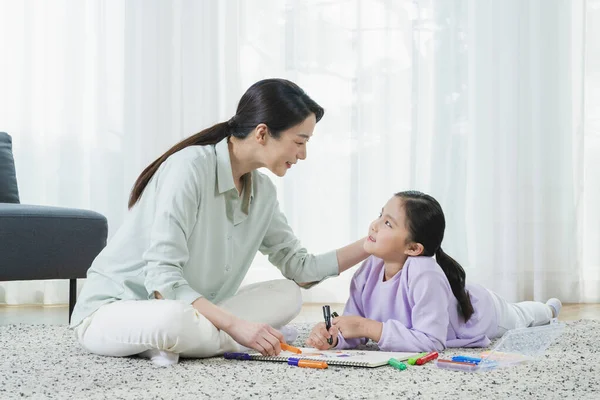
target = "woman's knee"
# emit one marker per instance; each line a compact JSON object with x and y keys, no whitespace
{"x":181,"y":322}
{"x":290,"y":296}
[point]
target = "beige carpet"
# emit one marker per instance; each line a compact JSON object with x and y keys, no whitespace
{"x":44,"y":362}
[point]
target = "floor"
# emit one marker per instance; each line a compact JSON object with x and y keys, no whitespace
{"x":311,"y":312}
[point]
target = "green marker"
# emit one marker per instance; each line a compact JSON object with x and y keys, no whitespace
{"x":397,"y":364}
{"x":413,"y":361}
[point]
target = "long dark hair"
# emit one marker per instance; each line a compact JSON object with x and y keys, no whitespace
{"x":277,"y":103}
{"x":426,"y":224}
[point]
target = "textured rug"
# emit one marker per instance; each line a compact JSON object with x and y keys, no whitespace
{"x":44,"y":362}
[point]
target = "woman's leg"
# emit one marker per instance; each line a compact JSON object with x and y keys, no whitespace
{"x":273,"y":302}
{"x":520,"y":315}
{"x":125,"y":328}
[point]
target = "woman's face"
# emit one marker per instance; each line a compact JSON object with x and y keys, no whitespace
{"x":284,"y":152}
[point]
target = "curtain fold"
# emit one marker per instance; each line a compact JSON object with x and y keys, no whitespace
{"x":492,"y":106}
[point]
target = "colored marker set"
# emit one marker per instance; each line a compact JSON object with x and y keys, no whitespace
{"x":465,"y":363}
{"x":421,"y":359}
{"x":517,"y":346}
{"x":297,"y":362}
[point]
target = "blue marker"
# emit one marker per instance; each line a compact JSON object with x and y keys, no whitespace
{"x":237,"y":356}
{"x":465,"y":359}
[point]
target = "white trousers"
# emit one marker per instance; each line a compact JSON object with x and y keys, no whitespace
{"x":125,"y":328}
{"x":519,"y":315}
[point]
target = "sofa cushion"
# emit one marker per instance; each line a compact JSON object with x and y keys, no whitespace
{"x":9,"y":192}
{"x":42,"y":242}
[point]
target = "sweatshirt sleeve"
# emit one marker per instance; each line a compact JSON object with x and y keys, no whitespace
{"x":354,"y":306}
{"x":177,"y":188}
{"x":429,"y":315}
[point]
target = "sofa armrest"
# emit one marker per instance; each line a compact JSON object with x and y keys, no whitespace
{"x":42,"y":242}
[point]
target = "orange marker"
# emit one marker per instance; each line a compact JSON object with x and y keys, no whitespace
{"x":287,"y":347}
{"x":307,"y":363}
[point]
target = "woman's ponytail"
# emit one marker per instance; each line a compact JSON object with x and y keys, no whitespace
{"x":277,"y":103}
{"x":456,"y":277}
{"x":212,"y":135}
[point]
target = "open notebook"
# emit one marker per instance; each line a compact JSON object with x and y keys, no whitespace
{"x":352,"y":358}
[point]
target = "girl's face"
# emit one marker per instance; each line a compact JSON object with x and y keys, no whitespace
{"x":388,"y":234}
{"x":285,"y":151}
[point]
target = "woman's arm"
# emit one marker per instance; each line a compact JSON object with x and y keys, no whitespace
{"x":258,"y":336}
{"x":285,"y":251}
{"x":177,"y":197}
{"x":219,"y":317}
{"x":351,"y":255}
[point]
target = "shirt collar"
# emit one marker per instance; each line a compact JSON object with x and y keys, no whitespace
{"x":225,"y":174}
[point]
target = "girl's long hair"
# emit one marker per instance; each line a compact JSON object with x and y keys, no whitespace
{"x":426,"y":225}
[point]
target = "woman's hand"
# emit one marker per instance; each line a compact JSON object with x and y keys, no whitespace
{"x":350,"y":255}
{"x":353,"y":326}
{"x":319,"y":335}
{"x":260,"y":337}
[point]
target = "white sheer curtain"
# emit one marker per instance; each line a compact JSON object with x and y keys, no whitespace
{"x":491,"y":106}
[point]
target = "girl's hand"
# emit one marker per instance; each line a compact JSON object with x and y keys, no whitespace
{"x":319,"y":335}
{"x":260,"y":337}
{"x":351,"y":326}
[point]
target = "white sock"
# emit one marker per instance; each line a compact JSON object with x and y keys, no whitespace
{"x":555,"y":305}
{"x":290,"y":334}
{"x":162,"y":358}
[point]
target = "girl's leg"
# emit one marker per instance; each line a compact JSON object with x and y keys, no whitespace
{"x":125,"y":328}
{"x":520,"y":315}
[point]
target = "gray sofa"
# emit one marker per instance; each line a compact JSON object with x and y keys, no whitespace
{"x":41,"y":242}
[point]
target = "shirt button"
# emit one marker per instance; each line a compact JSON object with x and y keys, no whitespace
{"x":227,"y":268}
{"x":213,"y":295}
{"x":229,"y":237}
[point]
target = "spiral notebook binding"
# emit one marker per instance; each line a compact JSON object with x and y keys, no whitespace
{"x":330,"y":361}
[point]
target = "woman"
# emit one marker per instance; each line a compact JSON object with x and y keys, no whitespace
{"x":167,"y":283}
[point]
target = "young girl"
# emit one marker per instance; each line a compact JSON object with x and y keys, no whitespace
{"x":406,"y":300}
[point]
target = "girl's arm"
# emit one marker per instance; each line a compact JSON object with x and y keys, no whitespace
{"x":429,"y":292}
{"x":354,"y":305}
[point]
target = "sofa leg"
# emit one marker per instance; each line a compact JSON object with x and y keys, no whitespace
{"x":72,"y":296}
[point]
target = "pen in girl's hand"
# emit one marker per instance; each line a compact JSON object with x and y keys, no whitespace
{"x":327,"y":316}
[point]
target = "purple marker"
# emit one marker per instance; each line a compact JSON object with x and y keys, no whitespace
{"x":237,"y":356}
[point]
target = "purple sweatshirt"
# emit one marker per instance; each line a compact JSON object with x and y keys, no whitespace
{"x":417,"y":308}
